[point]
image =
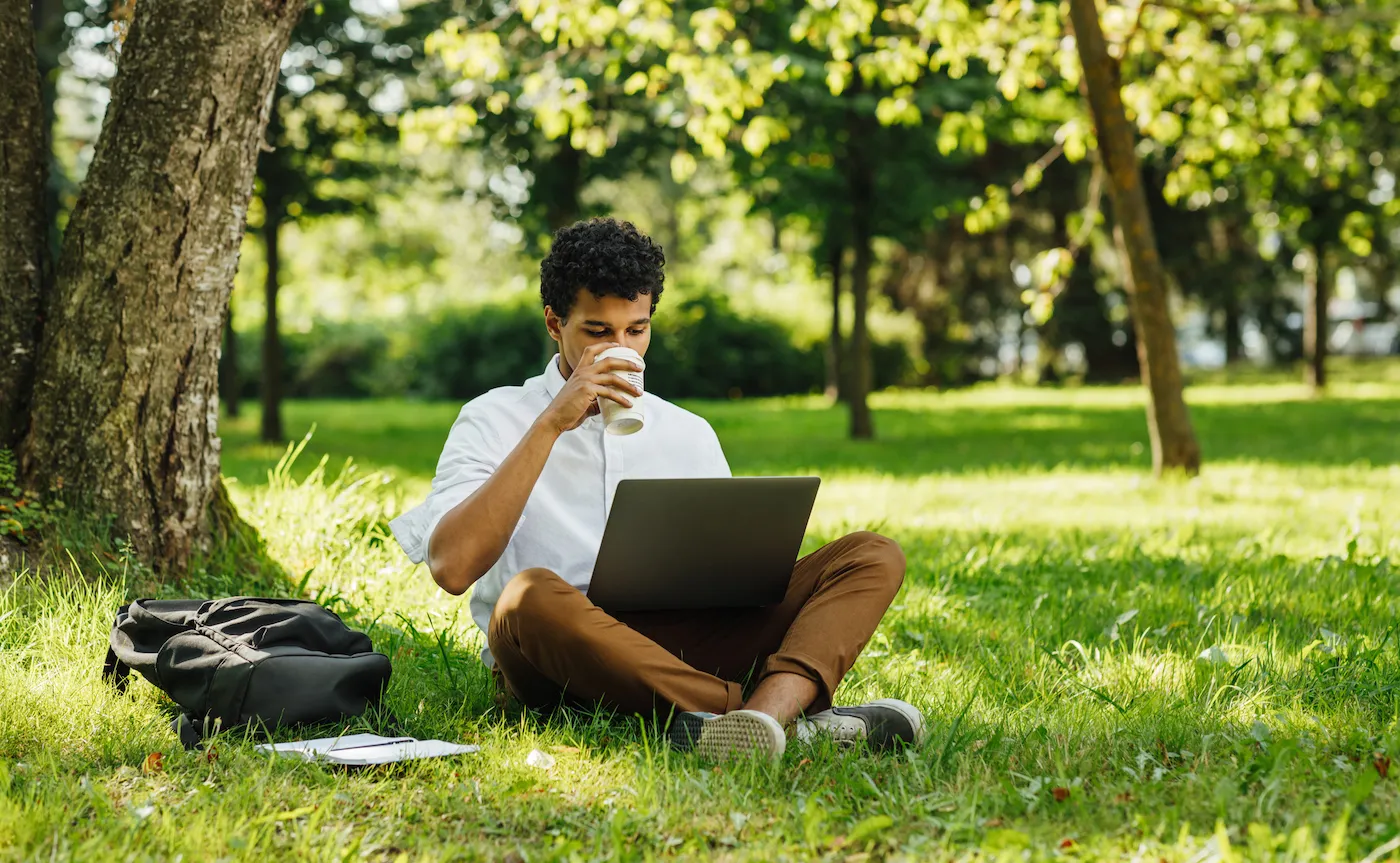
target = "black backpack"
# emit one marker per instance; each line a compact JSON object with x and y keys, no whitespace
{"x":246,"y":660}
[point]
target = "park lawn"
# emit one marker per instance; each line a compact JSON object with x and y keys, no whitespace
{"x":1057,"y":605}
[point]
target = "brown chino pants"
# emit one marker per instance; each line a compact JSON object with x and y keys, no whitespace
{"x":552,"y":645}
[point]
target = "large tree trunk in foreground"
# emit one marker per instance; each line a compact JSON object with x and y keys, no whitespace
{"x":1174,"y":445}
{"x":125,"y":413}
{"x":24,"y":156}
{"x":835,"y":348}
{"x":1318,"y":285}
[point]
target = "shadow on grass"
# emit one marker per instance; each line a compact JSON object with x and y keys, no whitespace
{"x":406,"y":438}
{"x":914,"y":443}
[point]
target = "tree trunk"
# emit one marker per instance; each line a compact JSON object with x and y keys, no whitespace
{"x":271,"y":389}
{"x":1383,"y":268}
{"x":835,"y":348}
{"x":1174,"y":445}
{"x":1233,"y":330}
{"x":564,"y":179}
{"x":24,"y":253}
{"x":860,"y":178}
{"x":125,"y":412}
{"x":228,"y":367}
{"x":1318,"y":286}
{"x":858,"y":380}
{"x":1232,"y":333}
{"x":51,"y":37}
{"x":1015,"y":367}
{"x":673,"y":194}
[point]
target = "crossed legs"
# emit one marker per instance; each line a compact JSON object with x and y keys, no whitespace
{"x":551,"y":643}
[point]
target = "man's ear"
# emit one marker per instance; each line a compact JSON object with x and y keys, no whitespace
{"x":554,"y":324}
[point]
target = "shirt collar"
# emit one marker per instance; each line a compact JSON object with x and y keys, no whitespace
{"x":553,"y":378}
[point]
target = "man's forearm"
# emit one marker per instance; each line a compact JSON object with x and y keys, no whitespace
{"x":473,"y":535}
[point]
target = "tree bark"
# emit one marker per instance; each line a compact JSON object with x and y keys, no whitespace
{"x":1318,"y":286}
{"x":1383,"y":268}
{"x":24,"y":253}
{"x":860,"y":186}
{"x":835,"y":348}
{"x":51,"y":38}
{"x":125,"y":413}
{"x":565,"y":180}
{"x":229,"y":382}
{"x":1174,"y":445}
{"x":1233,"y":330}
{"x":862,"y":182}
{"x":858,"y":380}
{"x":673,"y":194}
{"x":271,"y":389}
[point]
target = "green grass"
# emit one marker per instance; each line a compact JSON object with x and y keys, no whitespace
{"x":1057,"y":602}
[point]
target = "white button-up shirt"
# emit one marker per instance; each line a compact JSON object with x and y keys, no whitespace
{"x":562,"y":525}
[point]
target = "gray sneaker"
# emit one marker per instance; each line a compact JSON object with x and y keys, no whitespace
{"x":882,"y":724}
{"x":734,"y":734}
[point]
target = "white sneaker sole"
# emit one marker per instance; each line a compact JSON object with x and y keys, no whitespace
{"x":732,"y":735}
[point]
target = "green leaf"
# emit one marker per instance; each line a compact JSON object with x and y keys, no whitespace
{"x":1006,"y":839}
{"x":1361,"y":789}
{"x":871,"y":828}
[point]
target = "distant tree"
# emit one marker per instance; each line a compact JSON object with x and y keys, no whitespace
{"x":811,"y":170}
{"x":551,"y":109}
{"x":1287,"y":110}
{"x":24,"y":248}
{"x":331,"y":139}
{"x":1174,"y":445}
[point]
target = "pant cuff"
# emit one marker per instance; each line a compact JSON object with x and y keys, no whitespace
{"x":734,"y":697}
{"x":803,"y":667}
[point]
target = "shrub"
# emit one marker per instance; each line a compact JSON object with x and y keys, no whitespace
{"x":701,"y":348}
{"x":343,"y":361}
{"x":461,"y":353}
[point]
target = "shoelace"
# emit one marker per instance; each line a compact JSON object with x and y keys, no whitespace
{"x":842,"y":729}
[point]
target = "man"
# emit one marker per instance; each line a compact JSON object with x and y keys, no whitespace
{"x":517,"y":511}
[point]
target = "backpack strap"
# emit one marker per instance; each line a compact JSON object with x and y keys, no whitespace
{"x":114,"y":671}
{"x":190,"y":730}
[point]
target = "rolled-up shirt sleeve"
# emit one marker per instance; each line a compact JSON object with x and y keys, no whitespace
{"x":470,"y":456}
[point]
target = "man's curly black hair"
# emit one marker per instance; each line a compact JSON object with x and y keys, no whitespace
{"x":606,"y":256}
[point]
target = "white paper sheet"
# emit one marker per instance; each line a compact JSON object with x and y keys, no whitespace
{"x":360,"y":750}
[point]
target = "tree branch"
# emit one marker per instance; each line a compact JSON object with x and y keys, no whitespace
{"x":1086,"y":230}
{"x":1137,"y":28}
{"x":1042,"y":163}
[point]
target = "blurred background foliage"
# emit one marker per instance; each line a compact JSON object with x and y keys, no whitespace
{"x":420,"y":154}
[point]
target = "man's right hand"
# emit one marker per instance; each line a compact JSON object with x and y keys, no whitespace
{"x":590,"y":381}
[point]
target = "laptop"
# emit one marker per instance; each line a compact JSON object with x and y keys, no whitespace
{"x":675,"y":544}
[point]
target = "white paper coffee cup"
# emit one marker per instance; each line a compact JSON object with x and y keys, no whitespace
{"x":616,"y":418}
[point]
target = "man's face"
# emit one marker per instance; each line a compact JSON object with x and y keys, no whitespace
{"x":600,"y":319}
